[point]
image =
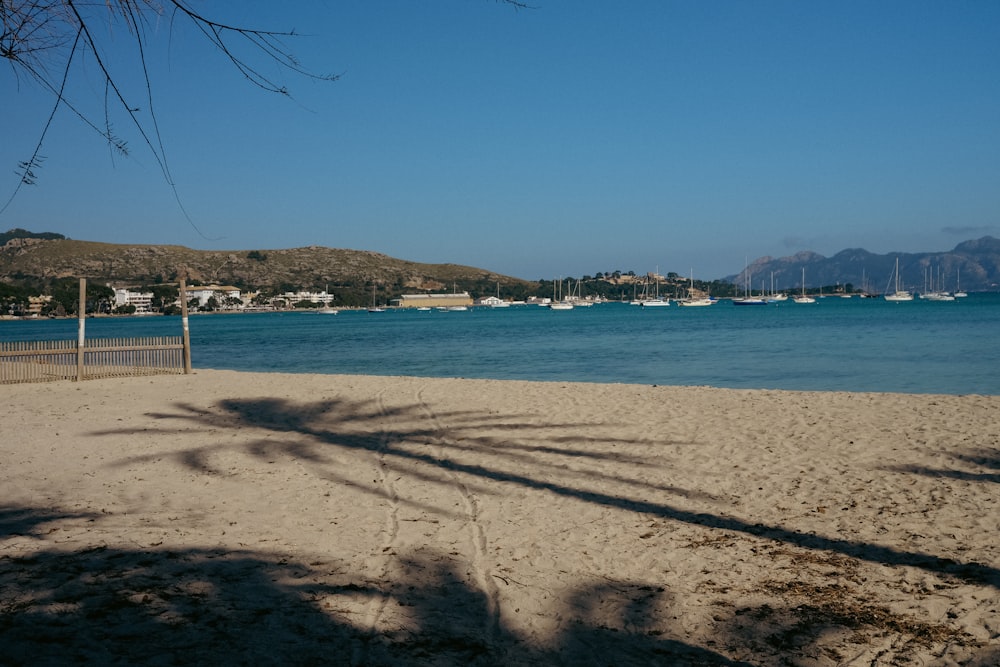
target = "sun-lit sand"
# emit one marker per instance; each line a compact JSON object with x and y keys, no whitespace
{"x":224,"y":517}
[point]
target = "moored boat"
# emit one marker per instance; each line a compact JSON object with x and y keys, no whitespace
{"x":700,"y":301}
{"x":748,"y":299}
{"x":803,"y":298}
{"x":958,"y":284}
{"x":694,"y":301}
{"x":898,"y":294}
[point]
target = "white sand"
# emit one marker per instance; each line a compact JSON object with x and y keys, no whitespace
{"x":241,"y":518}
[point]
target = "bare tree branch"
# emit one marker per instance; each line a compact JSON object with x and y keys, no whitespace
{"x":37,"y":35}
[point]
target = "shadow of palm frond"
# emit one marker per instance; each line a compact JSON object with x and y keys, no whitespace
{"x":405,"y":436}
{"x":396,"y":435}
{"x":988,"y":459}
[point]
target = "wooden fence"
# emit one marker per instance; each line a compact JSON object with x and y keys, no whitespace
{"x":43,"y":361}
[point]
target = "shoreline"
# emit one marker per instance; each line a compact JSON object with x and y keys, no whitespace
{"x":788,"y":348}
{"x":407,"y":520}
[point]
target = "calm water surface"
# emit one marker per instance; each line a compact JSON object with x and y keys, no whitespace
{"x":833,"y":345}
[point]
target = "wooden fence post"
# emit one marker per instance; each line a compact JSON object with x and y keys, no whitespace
{"x":187,"y":333}
{"x":81,"y":326}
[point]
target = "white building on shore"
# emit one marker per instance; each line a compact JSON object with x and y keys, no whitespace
{"x":289,"y":299}
{"x":142,"y":301}
{"x":225,"y":296}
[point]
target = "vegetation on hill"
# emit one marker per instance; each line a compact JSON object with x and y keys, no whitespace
{"x":18,"y":233}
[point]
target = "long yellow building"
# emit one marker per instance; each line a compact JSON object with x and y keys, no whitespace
{"x":433,"y":300}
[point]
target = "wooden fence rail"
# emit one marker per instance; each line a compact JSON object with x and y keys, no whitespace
{"x":43,"y":361}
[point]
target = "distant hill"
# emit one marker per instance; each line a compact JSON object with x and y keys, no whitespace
{"x":351,"y":274}
{"x":975,"y":263}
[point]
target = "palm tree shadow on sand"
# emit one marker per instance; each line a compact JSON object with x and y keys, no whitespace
{"x":347,"y":425}
{"x":247,"y":607}
{"x":974,"y":464}
{"x":195,"y":606}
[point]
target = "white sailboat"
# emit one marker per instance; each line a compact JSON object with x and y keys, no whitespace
{"x":935,"y":293}
{"x":958,"y":284}
{"x":375,"y":308}
{"x":498,"y":302}
{"x":576,"y":298}
{"x":898,"y":294}
{"x":657,"y":301}
{"x":557,"y":302}
{"x":692,"y":300}
{"x":775,"y":297}
{"x":932,"y":293}
{"x":803,"y":298}
{"x":865,"y":292}
{"x":748,"y":298}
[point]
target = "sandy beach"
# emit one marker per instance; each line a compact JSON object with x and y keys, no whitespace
{"x":244,"y":518}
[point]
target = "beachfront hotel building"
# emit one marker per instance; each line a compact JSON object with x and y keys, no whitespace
{"x":290,"y":298}
{"x":141,"y":300}
{"x":37,"y":303}
{"x":219,"y":292}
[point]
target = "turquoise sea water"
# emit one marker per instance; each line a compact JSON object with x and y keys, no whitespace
{"x":833,"y":345}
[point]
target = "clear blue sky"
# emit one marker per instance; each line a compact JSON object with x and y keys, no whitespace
{"x":574,"y":137}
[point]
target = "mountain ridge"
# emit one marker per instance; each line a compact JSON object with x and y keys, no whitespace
{"x":974,"y":265}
